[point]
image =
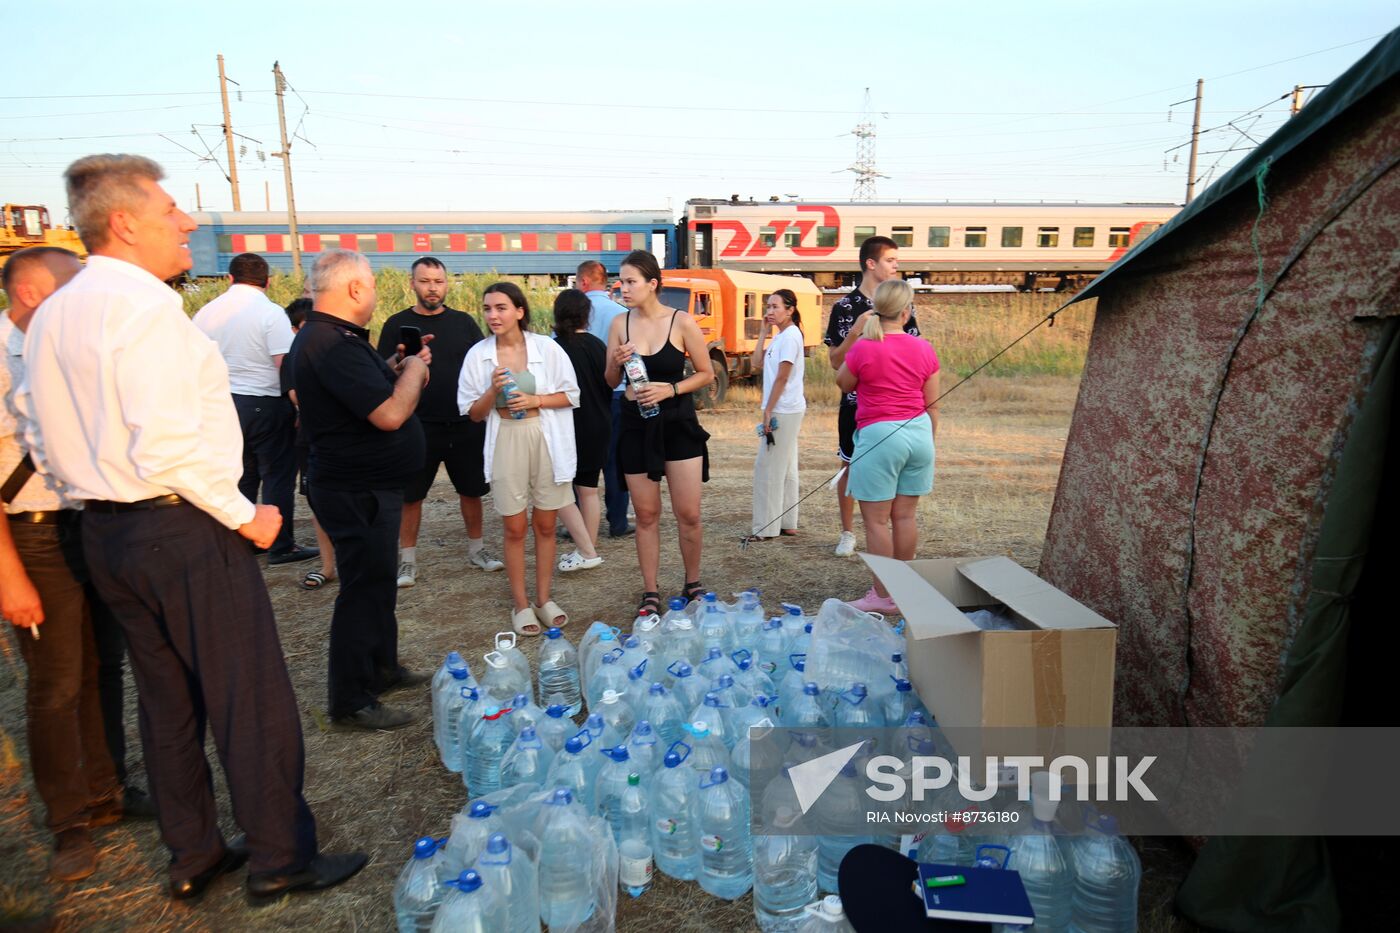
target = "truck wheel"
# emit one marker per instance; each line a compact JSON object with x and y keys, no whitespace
{"x":713,"y":394}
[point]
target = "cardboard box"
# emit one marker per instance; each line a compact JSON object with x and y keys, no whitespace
{"x":1055,"y":672}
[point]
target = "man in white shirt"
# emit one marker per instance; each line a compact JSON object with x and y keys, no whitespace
{"x":128,"y":404}
{"x":254,"y":335}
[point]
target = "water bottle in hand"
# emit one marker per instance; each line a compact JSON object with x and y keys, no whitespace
{"x":636,"y":371}
{"x":509,"y":389}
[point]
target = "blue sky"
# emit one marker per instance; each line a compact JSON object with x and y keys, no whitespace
{"x":540,"y":105}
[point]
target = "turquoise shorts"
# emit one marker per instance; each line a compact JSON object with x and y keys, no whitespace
{"x":892,"y":459}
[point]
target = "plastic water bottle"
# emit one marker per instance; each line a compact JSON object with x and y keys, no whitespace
{"x":559,"y":679}
{"x":455,"y":695}
{"x":750,"y":676}
{"x":899,"y":670}
{"x":711,"y":713}
{"x":897,"y":706}
{"x":643,"y":748}
{"x":419,"y":890}
{"x":636,"y":371}
{"x":597,"y":641}
{"x":1107,"y":874}
{"x":500,"y":681}
{"x":855,"y":711}
{"x":675,"y":840}
{"x":468,"y":907}
{"x":713,"y":663}
{"x":527,"y":760}
{"x":573,"y":769}
{"x":726,"y":848}
{"x":647,"y":630}
{"x":634,"y":850}
{"x":742,"y":756}
{"x":1049,"y":880}
{"x":794,"y":622}
{"x":507,"y":872}
{"x":524,"y":712}
{"x":595,"y":727}
{"x":509,"y":389}
{"x":747,"y":620}
{"x":486,"y":748}
{"x":444,"y":673}
{"x":758,"y":709}
{"x":555,"y":728}
{"x":840,"y":800}
{"x":664,"y":712}
{"x":793,"y":680}
{"x":706,"y":751}
{"x":638,"y":682}
{"x":609,"y":676}
{"x":612,"y":782}
{"x":714,"y":623}
{"x":682,"y":643}
{"x":470,"y":830}
{"x":689,"y":690}
{"x":675,"y":615}
{"x":952,"y":844}
{"x":784,"y":875}
{"x":566,"y":870}
{"x":618,"y":718}
{"x":506,"y":643}
{"x":771,"y":643}
{"x":825,"y":916}
{"x":806,"y":712}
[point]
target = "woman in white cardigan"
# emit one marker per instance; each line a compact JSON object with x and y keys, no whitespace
{"x":530,"y":458}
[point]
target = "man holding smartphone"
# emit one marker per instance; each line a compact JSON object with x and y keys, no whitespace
{"x":452,"y":439}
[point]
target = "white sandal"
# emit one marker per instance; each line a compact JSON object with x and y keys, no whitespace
{"x":549,"y":612}
{"x":525,"y":622}
{"x":576,"y":561}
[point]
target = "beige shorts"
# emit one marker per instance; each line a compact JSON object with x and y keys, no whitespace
{"x":522,"y":473}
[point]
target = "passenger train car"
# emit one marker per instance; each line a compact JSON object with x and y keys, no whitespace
{"x":550,"y":243}
{"x":1023,"y":245}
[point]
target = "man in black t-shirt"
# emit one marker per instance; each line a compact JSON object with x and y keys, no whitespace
{"x":451,"y":437}
{"x":879,"y":262}
{"x":365,"y":444}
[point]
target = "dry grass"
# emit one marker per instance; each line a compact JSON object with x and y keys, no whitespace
{"x":999,"y":453}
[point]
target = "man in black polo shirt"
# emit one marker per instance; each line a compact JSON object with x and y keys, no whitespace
{"x":365,"y":444}
{"x":452,"y":438}
{"x":879,"y":262}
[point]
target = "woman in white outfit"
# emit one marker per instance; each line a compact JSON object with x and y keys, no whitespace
{"x":530,"y":457}
{"x":775,"y":468}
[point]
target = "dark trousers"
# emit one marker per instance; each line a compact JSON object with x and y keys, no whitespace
{"x":204,"y":650}
{"x":614,"y":483}
{"x":67,"y":745}
{"x":269,"y":458}
{"x":111,"y":679}
{"x":364,"y":650}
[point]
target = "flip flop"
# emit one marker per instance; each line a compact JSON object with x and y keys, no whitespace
{"x":525,"y":622}
{"x":315,"y":579}
{"x":549,"y":612}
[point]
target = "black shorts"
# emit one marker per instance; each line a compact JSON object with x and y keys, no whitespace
{"x":458,"y":444}
{"x":588,"y":477}
{"x":846,"y":431}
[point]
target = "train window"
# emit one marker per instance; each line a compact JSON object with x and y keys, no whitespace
{"x":366,"y":243}
{"x":440,"y":242}
{"x":609,"y":241}
{"x":403,"y":243}
{"x":863,"y":234}
{"x":792,"y":238}
{"x":768,"y":236}
{"x":476,"y":243}
{"x":547,"y":242}
{"x":751,"y":305}
{"x":1047,"y":236}
{"x":975,"y":237}
{"x":255,"y":243}
{"x":902,"y":236}
{"x":1118,"y":237}
{"x":938,"y":236}
{"x":1083,"y":236}
{"x":225,"y":243}
{"x":513,"y":242}
{"x":1011,"y":237}
{"x":1145,"y":231}
{"x":827,"y":236}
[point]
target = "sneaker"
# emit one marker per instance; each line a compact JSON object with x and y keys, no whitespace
{"x":408,"y":573}
{"x":846,"y":545}
{"x":874,"y":602}
{"x":485,"y":561}
{"x":376,"y":717}
{"x":576,"y":561}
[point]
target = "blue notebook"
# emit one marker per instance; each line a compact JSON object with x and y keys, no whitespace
{"x":991,"y":895}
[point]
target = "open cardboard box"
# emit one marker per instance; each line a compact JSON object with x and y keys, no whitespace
{"x":1053,"y":673}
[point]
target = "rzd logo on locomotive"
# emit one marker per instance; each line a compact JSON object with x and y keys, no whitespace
{"x":744,"y":244}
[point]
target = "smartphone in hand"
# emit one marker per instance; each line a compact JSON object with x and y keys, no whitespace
{"x":412,"y":339}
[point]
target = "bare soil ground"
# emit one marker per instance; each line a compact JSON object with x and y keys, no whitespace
{"x":999,"y":452}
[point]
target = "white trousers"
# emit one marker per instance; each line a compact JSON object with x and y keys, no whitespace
{"x":775,"y":479}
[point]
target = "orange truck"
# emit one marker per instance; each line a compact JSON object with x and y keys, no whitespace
{"x":728,"y":305}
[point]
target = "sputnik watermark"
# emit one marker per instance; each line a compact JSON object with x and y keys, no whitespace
{"x":1116,"y":778}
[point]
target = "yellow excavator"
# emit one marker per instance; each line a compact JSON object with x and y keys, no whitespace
{"x":23,"y":225}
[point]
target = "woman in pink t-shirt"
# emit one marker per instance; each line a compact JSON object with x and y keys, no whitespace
{"x":895,"y":376}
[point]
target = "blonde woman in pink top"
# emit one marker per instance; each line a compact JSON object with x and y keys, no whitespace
{"x":896,"y":376}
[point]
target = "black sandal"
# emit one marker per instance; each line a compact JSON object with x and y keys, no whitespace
{"x":650,"y":604}
{"x":692,"y":591}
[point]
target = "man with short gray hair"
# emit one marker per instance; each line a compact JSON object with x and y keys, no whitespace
{"x":128,"y":404}
{"x":366,"y":442}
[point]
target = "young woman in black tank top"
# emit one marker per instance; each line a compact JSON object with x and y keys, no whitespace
{"x":672,"y":444}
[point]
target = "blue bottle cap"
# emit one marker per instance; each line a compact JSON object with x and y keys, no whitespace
{"x":711,"y":700}
{"x":680,"y":669}
{"x":556,"y":711}
{"x":561,"y":797}
{"x":469,"y":881}
{"x":859,"y":690}
{"x":896,"y":657}
{"x":573,"y":745}
{"x":632,"y":641}
{"x":609,"y":659}
{"x":718,"y":775}
{"x":677,"y":603}
{"x":480,"y":811}
{"x":425,"y":847}
{"x":811,"y":689}
{"x":497,"y":843}
{"x":772,"y":624}
{"x":519,"y":700}
{"x":760,"y":700}
{"x":793,"y":610}
{"x":657,"y":690}
{"x":713,"y":653}
{"x":672,"y":760}
{"x":903,"y":686}
{"x":618,"y":753}
{"x":528,"y":733}
{"x":593,"y":720}
{"x":711,"y":597}
{"x":553,"y":632}
{"x":641,"y":728}
{"x":606,"y":635}
{"x":725,"y":681}
{"x":807,"y":628}
{"x":458,"y":673}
